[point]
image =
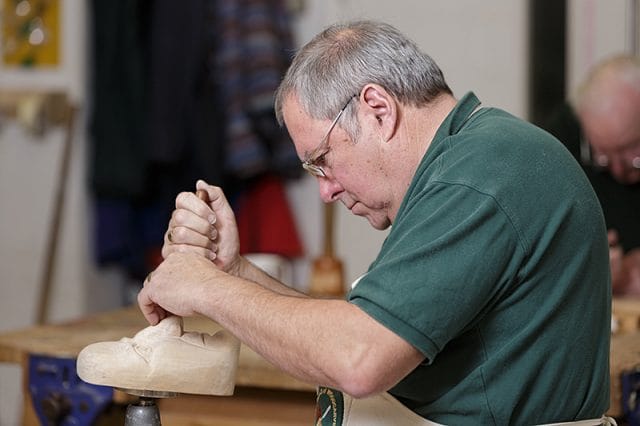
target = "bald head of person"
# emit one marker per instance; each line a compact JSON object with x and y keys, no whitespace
{"x":608,"y":107}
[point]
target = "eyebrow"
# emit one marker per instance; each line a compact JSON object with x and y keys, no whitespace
{"x":316,"y":150}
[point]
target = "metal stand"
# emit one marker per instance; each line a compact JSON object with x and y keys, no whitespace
{"x":143,"y":413}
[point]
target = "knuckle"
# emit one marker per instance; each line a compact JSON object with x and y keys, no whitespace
{"x":181,"y":197}
{"x":179,"y":233}
{"x":179,"y":216}
{"x":212,"y":255}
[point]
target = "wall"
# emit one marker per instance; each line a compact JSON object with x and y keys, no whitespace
{"x":598,"y":29}
{"x":29,"y":167}
{"x":481,"y":46}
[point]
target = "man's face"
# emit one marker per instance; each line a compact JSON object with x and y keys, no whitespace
{"x":351,"y":172}
{"x":614,"y":135}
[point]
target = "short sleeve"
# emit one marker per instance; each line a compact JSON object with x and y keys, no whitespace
{"x":444,"y":263}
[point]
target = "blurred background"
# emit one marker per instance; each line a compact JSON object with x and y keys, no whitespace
{"x":109,"y":108}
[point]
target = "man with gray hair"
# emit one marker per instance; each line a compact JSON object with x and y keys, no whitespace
{"x":489,"y":302}
{"x":601,"y":128}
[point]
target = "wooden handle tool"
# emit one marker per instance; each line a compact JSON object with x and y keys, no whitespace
{"x":203,"y":195}
{"x":327,"y":270}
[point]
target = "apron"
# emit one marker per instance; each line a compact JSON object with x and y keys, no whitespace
{"x":334,"y":408}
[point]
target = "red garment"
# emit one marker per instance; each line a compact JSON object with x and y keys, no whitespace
{"x":265,"y":221}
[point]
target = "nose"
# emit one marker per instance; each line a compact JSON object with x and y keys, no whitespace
{"x":617,"y":169}
{"x":329,"y":189}
{"x":622,"y":172}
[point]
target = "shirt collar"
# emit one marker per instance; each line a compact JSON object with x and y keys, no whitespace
{"x":456,"y":119}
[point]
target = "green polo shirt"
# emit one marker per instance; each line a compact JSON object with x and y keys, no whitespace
{"x":496,"y":269}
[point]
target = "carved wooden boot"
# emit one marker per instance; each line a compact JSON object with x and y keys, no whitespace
{"x":163,"y":358}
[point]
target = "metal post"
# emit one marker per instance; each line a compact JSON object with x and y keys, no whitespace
{"x":143,"y":413}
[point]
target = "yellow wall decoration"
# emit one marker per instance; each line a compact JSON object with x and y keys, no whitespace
{"x":30,"y":33}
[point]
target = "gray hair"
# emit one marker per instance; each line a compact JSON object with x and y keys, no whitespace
{"x":338,"y":62}
{"x":622,"y":68}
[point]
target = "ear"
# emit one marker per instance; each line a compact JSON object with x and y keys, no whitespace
{"x":381,"y":108}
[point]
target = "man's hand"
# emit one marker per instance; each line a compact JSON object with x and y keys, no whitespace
{"x":631,"y":273}
{"x":177,"y":286}
{"x":206,"y":229}
{"x":625,"y":268}
{"x":615,"y":262}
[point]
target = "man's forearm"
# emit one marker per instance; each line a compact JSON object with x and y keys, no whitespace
{"x":320,"y":341}
{"x":251,"y":272}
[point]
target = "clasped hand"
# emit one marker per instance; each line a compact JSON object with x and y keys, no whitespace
{"x":625,"y":268}
{"x":200,"y":244}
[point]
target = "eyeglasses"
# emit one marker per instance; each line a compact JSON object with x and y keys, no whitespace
{"x":602,"y":161}
{"x":312,"y":165}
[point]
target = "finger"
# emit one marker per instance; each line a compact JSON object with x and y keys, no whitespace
{"x":226,"y":221}
{"x":151,"y":311}
{"x":217,"y":199}
{"x":209,"y":253}
{"x":190,"y":201}
{"x":187,"y":219}
{"x":182,"y":235}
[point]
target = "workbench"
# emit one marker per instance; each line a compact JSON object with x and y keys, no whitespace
{"x":264,"y":394}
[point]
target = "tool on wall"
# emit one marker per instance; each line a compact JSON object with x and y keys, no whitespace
{"x":38,"y":112}
{"x":58,"y":208}
{"x":327,"y":271}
